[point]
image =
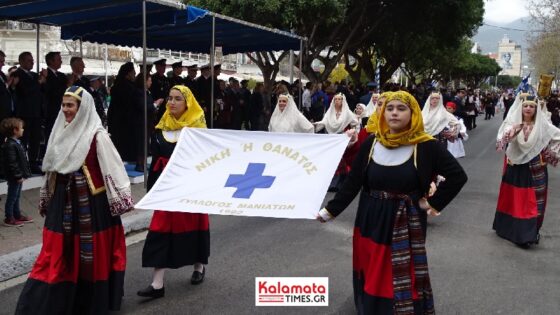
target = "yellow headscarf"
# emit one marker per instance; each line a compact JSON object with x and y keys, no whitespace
{"x":192,"y":117}
{"x":371,"y":126}
{"x":415,"y":134}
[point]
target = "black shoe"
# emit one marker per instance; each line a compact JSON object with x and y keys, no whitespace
{"x":151,"y":292}
{"x":197,"y":276}
{"x":524,"y":245}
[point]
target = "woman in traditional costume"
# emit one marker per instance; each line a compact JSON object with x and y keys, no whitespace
{"x":338,"y":119}
{"x":175,"y":239}
{"x":438,"y":122}
{"x":530,"y":142}
{"x":287,"y":118}
{"x":456,"y":146}
{"x":361,"y":115}
{"x":80,"y":269}
{"x":372,"y":105}
{"x":394,"y":170}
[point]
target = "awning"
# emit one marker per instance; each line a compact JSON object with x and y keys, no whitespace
{"x":170,"y":25}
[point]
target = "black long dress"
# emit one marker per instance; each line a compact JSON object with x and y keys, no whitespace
{"x":174,"y":239}
{"x":81,"y":266}
{"x":522,"y":201}
{"x":390,"y":228}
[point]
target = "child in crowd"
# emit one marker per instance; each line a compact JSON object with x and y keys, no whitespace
{"x":16,"y":169}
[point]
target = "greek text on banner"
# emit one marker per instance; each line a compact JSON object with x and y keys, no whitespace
{"x":247,"y":173}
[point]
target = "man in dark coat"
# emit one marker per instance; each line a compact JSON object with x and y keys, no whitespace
{"x":98,"y":98}
{"x":459,"y":103}
{"x":7,"y":104}
{"x":160,"y":86}
{"x":508,"y":101}
{"x":53,"y":89}
{"x":190,"y":82}
{"x":245,"y":102}
{"x":203,"y":87}
{"x":120,"y":115}
{"x":176,"y":78}
{"x":29,"y":107}
{"x":77,"y":77}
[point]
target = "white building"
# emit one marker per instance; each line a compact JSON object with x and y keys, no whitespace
{"x":509,"y":57}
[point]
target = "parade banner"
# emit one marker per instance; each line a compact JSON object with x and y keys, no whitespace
{"x":247,"y":173}
{"x":545,"y":85}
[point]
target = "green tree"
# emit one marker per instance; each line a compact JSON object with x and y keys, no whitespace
{"x":418,"y":32}
{"x":391,"y":31}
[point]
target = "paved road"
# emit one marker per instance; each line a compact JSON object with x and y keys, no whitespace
{"x":472,"y":270}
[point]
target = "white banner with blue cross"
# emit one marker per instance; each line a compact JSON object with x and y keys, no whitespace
{"x":247,"y":173}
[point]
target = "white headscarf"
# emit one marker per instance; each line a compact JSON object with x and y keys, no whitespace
{"x":520,"y":151}
{"x":69,"y":145}
{"x":334,"y":125}
{"x":363,"y":114}
{"x":436,"y":119}
{"x":290,"y":119}
{"x":371,"y":107}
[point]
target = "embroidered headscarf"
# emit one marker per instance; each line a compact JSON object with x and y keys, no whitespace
{"x":437,"y":118}
{"x":192,"y":117}
{"x":413,"y":135}
{"x":290,"y":119}
{"x":373,"y":119}
{"x":69,"y":145}
{"x":334,"y":125}
{"x":518,"y":150}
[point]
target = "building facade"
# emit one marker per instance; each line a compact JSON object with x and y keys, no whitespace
{"x":509,"y":57}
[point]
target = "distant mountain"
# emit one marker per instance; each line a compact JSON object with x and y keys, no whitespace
{"x":489,"y":36}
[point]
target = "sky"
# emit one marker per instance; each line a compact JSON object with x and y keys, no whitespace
{"x":504,"y":11}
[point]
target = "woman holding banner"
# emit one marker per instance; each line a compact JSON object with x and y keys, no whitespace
{"x":287,"y":118}
{"x":175,"y":239}
{"x":394,"y":169}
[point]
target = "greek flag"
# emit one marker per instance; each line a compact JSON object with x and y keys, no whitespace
{"x":524,"y":86}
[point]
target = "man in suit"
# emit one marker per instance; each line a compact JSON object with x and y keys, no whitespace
{"x":53,"y":89}
{"x":77,"y":77}
{"x":29,"y":107}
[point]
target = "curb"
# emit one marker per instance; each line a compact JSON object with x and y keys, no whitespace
{"x":21,"y":261}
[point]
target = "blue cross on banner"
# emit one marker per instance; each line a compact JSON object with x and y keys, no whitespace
{"x":251,"y":180}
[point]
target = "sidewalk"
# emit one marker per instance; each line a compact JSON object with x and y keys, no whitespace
{"x":19,"y":246}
